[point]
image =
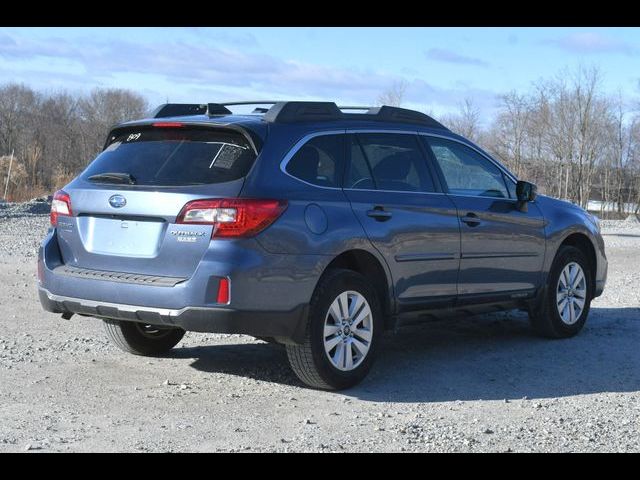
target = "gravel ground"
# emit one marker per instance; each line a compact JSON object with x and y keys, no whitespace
{"x":476,"y":384}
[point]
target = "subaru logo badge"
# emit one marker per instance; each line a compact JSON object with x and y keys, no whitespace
{"x":117,"y":201}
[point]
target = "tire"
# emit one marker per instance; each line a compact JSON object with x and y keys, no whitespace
{"x":266,"y":339}
{"x":141,"y":339}
{"x":310,"y":361}
{"x":546,"y":318}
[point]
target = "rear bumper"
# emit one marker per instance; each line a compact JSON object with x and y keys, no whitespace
{"x":287,"y":325}
{"x":269,"y":293}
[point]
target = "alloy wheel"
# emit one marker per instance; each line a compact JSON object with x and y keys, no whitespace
{"x":348,"y":330}
{"x":571,"y":293}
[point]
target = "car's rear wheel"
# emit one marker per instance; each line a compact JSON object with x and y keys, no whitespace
{"x":266,"y":339}
{"x":564,"y":309}
{"x":342,"y":332}
{"x":142,"y":339}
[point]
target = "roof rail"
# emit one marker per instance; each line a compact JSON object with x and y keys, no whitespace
{"x":250,"y":102}
{"x":183,"y":109}
{"x":386,"y":113}
{"x":211,"y":109}
{"x":290,"y":112}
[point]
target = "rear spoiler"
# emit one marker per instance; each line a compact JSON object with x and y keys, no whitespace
{"x":252,"y":137}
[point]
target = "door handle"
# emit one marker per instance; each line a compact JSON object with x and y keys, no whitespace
{"x":379,"y":213}
{"x":471,"y":219}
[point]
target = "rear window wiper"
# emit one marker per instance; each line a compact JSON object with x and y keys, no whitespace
{"x":110,"y":177}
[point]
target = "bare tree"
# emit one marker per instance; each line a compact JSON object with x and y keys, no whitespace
{"x":564,"y":133}
{"x":54,"y":136}
{"x":394,"y":95}
{"x":510,"y":129}
{"x":466,"y":121}
{"x":104,"y":108}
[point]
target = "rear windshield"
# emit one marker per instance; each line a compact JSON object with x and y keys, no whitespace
{"x":173,"y":157}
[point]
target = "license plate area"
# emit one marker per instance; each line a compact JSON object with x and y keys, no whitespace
{"x":122,"y":236}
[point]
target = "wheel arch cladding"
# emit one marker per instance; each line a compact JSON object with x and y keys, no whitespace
{"x":371,"y":268}
{"x":584,"y":244}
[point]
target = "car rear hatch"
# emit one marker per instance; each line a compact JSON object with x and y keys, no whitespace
{"x":125,"y":205}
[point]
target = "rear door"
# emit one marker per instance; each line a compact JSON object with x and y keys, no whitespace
{"x":502,"y":248}
{"x":126,"y":202}
{"x":394,"y":196}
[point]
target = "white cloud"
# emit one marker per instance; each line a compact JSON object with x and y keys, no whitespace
{"x":449,"y":56}
{"x":178,"y":69}
{"x":592,"y":42}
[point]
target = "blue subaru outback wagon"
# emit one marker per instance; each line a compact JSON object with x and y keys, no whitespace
{"x":310,"y":225}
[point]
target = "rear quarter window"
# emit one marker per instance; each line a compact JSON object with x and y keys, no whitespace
{"x":319,"y":161}
{"x":175,"y":156}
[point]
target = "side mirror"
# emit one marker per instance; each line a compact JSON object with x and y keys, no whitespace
{"x":525,"y":192}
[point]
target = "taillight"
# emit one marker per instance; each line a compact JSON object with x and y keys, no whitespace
{"x":232,"y":217}
{"x":61,"y":205}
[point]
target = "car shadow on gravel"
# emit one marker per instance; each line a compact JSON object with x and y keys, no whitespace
{"x":259,"y":361}
{"x":488,"y":357}
{"x":498,"y":357}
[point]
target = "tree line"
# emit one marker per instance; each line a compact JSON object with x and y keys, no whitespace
{"x":565,"y":134}
{"x":53,"y":136}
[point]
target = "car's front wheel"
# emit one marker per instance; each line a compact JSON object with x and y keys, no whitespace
{"x":342,"y":332}
{"x":142,"y":339}
{"x":564,"y":309}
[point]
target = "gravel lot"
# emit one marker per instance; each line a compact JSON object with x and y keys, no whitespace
{"x":476,"y":384}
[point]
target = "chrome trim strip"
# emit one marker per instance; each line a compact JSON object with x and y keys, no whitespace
{"x":391,"y":191}
{"x":133,"y":309}
{"x":297,"y":146}
{"x":498,"y":255}
{"x":514,"y":200}
{"x":422,"y":257}
{"x":380,"y":130}
{"x":300,"y":143}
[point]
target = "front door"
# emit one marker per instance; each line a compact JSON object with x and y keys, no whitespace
{"x":502,"y":248}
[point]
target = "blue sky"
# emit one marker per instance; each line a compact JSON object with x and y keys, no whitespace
{"x":441,"y":66}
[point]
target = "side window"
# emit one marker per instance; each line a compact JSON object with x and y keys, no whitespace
{"x":465,"y":171}
{"x":319,"y":161}
{"x":358,"y":174}
{"x":396,"y":162}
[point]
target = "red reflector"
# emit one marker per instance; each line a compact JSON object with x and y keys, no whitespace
{"x":223,"y":291}
{"x":167,"y":125}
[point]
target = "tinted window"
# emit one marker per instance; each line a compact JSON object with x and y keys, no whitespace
{"x":465,"y":171}
{"x":319,"y":161}
{"x":511,"y":186}
{"x":359,"y":173}
{"x":175,"y":156}
{"x":396,"y":161}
